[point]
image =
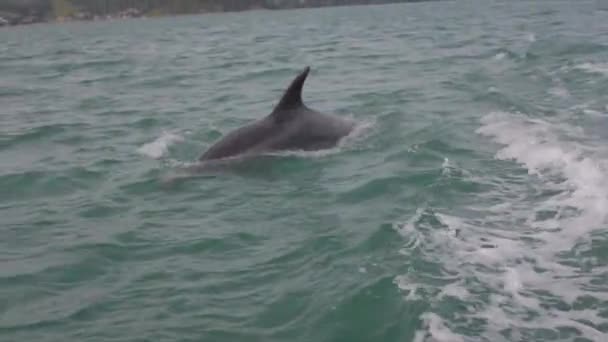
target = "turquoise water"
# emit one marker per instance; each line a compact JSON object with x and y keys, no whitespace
{"x":471,"y":204}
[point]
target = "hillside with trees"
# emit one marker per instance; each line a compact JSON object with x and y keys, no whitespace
{"x":14,"y":12}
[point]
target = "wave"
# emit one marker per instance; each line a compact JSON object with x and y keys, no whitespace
{"x":36,"y":134}
{"x":567,"y":165}
{"x":596,"y":68}
{"x":521,"y":265}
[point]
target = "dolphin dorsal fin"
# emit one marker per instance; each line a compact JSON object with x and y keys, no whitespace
{"x":292,"y":98}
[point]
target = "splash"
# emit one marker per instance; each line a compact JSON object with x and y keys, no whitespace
{"x":160,"y":146}
{"x":500,"y":56}
{"x":446,"y":167}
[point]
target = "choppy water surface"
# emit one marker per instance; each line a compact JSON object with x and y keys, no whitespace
{"x":471,"y":204}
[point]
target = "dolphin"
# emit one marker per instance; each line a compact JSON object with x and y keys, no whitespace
{"x":290,"y":126}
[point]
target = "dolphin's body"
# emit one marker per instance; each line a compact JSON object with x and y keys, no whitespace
{"x":290,"y":126}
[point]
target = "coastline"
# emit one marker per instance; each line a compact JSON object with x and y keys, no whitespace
{"x":8,"y":19}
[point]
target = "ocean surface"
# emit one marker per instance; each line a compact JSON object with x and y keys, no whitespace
{"x":470,"y":204}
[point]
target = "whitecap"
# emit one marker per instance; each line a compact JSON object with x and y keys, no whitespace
{"x":160,"y":146}
{"x":500,"y":56}
{"x":597,"y":68}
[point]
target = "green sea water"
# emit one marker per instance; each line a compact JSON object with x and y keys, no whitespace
{"x":470,"y":204}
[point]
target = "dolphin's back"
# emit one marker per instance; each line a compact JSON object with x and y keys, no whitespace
{"x":240,"y":140}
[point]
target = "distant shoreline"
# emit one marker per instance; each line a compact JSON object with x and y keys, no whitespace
{"x":19,"y":19}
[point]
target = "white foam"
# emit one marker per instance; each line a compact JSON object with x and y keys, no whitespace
{"x":499,"y":56}
{"x":559,"y":91}
{"x":408,"y":286}
{"x":445,"y":167}
{"x":419,"y":336}
{"x":438,"y":330}
{"x":593,"y":112}
{"x":457,"y":290}
{"x":513,"y":251}
{"x":531,"y":37}
{"x":597,"y":68}
{"x":408,"y":230}
{"x":160,"y":146}
{"x":536,"y":145}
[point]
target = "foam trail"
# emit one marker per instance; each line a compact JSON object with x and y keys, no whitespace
{"x":438,"y":330}
{"x":536,"y":145}
{"x":160,"y":146}
{"x":518,"y":254}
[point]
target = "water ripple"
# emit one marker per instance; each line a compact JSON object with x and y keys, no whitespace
{"x":469,"y":206}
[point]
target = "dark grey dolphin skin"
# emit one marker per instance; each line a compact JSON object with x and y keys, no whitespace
{"x":290,"y":126}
